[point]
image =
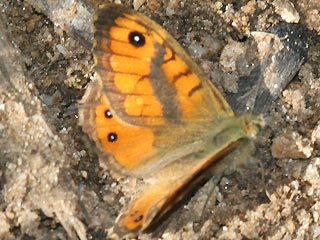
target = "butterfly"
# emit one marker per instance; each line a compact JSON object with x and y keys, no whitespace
{"x":153,"y":114}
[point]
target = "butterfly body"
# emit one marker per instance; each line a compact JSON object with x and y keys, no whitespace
{"x":153,"y":114}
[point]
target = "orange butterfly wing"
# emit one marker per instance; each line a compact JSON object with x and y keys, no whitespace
{"x":152,"y":113}
{"x":172,"y":183}
{"x":151,"y":90}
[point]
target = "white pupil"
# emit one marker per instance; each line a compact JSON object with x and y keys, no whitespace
{"x":136,"y":38}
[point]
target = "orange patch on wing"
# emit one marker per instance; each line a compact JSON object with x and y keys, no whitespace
{"x":134,"y":84}
{"x":188,"y":85}
{"x":168,"y":54}
{"x":142,"y":207}
{"x":130,"y":24}
{"x":129,"y":65}
{"x":126,"y":150}
{"x":143,"y":106}
{"x":185,"y":83}
{"x":189,"y":98}
{"x":119,"y":33}
{"x":127,"y":49}
{"x":173,"y":68}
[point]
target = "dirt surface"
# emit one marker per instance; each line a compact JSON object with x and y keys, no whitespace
{"x":52,"y":186}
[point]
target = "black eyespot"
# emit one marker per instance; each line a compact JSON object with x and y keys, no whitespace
{"x":137,"y":39}
{"x":138,"y":219}
{"x":112,"y":137}
{"x":108,"y":114}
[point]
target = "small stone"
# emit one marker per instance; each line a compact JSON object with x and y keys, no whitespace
{"x":4,"y":225}
{"x":315,"y":136}
{"x":286,"y":11}
{"x":9,"y":215}
{"x":32,"y":23}
{"x":138,"y":3}
{"x":84,"y":174}
{"x":291,"y":145}
{"x":230,"y":55}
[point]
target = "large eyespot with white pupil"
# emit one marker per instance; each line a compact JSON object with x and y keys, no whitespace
{"x":137,"y":39}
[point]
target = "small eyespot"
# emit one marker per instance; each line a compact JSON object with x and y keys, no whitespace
{"x":112,"y":137}
{"x":138,"y":219}
{"x":137,"y":39}
{"x":108,"y":114}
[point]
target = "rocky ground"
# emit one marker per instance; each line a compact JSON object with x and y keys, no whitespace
{"x":52,"y":186}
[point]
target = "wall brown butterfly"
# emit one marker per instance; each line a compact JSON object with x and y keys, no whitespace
{"x":153,"y":114}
